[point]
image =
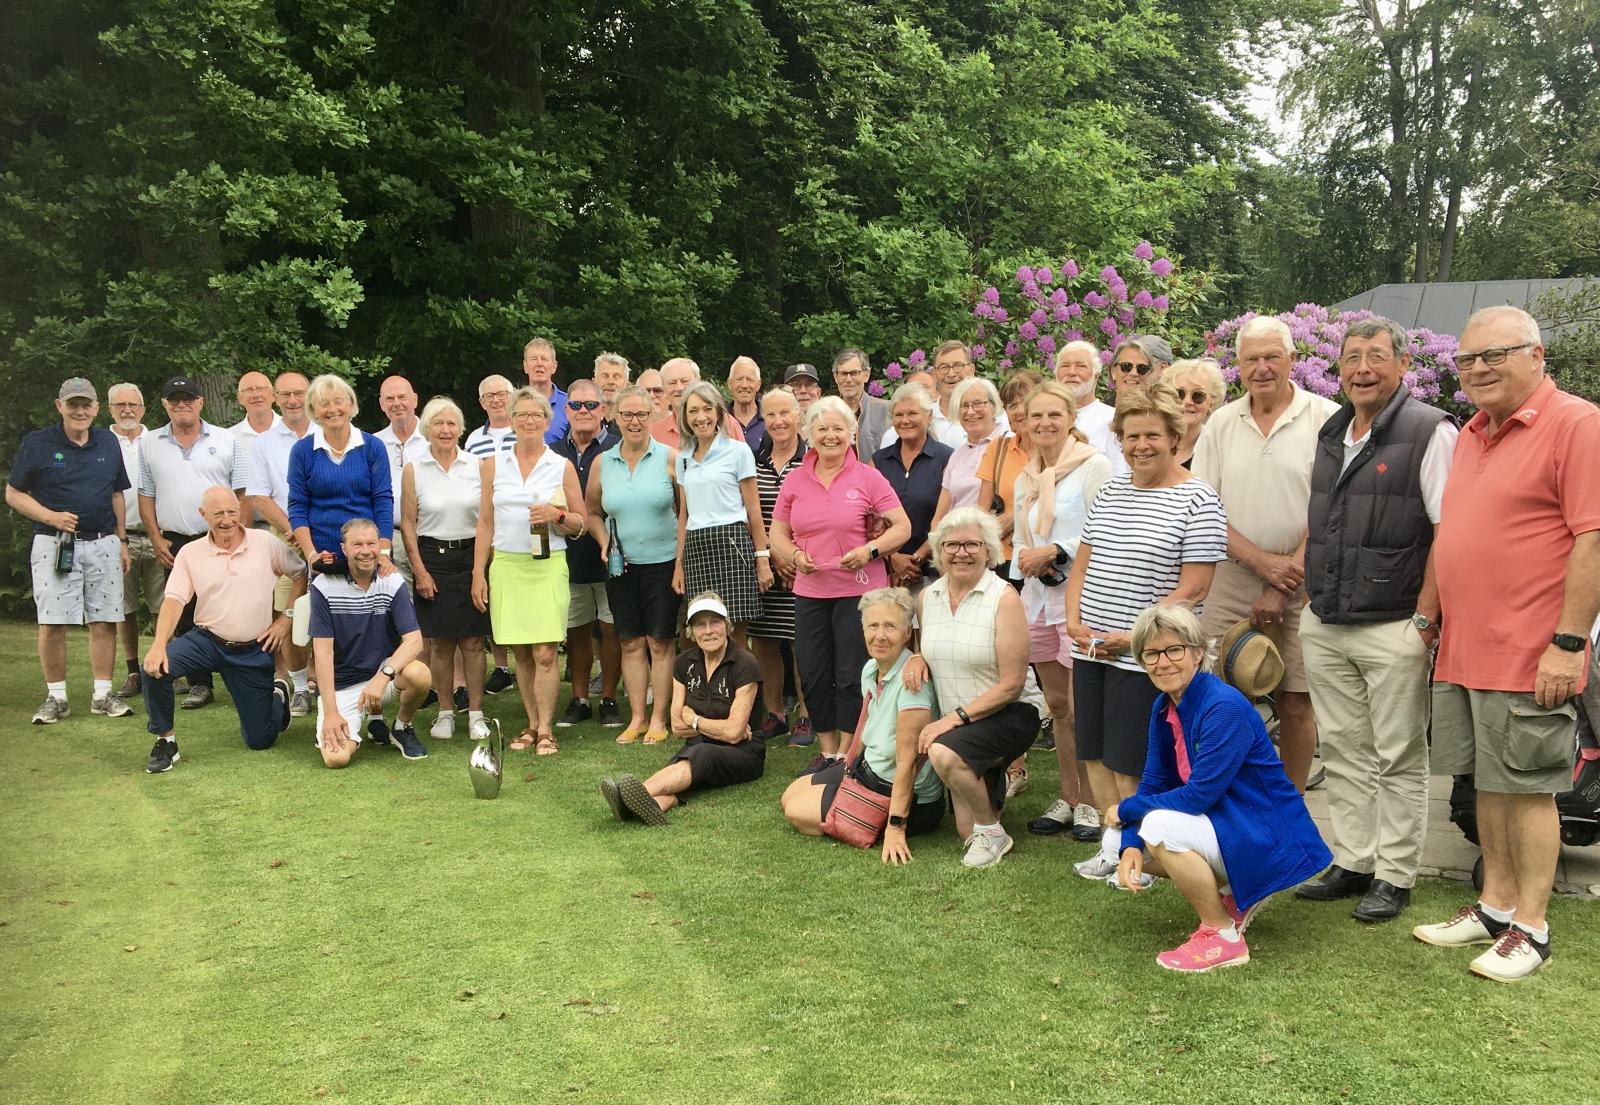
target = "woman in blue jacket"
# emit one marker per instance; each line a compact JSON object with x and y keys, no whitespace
{"x":1214,"y":809}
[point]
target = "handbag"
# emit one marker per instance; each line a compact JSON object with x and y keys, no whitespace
{"x":997,"y":505}
{"x":859,"y":814}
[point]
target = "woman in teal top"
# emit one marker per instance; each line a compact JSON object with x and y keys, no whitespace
{"x":633,"y":517}
{"x":892,"y":717}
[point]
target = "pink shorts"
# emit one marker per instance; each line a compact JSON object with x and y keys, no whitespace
{"x":1049,"y":642}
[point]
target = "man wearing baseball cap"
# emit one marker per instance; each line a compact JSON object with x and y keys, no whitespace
{"x":68,"y":481}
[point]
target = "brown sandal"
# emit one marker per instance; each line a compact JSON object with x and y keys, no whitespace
{"x":547,"y":745}
{"x":524,"y":741}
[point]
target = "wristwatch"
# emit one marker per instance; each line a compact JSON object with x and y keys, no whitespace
{"x":896,"y":821}
{"x":1568,"y":642}
{"x":1422,"y":623}
{"x":966,"y":718}
{"x":695,"y":724}
{"x":872,"y":552}
{"x":387,"y":669}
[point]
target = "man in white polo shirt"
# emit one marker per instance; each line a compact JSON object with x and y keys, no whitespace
{"x":255,"y":396}
{"x":176,"y":464}
{"x":494,"y":437}
{"x":402,"y":443}
{"x":146,"y":576}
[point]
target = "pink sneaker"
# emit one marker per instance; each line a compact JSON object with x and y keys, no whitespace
{"x":1205,"y":951}
{"x":1241,"y":917}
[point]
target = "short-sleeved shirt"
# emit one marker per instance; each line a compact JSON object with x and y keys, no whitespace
{"x":713,"y":696}
{"x":1094,"y":422}
{"x":232,"y":588}
{"x":176,"y":477}
{"x":1264,"y":481}
{"x":583,"y":552}
{"x":79,"y":479}
{"x":918,"y":486}
{"x":366,"y":626}
{"x":1141,"y":538}
{"x":1513,"y":507}
{"x":879,"y":741}
{"x":488,"y":441}
{"x":400,"y":454}
{"x":269,"y":465}
{"x":640,"y":502}
{"x":665,"y":430}
{"x":247,"y":433}
{"x":827,"y":522}
{"x":1010,"y":466}
{"x":130,"y":465}
{"x":558,"y":415}
{"x":961,"y":474}
{"x":711,"y":485}
{"x":1435,"y":468}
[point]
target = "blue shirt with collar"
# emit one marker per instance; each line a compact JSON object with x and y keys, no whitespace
{"x":558,"y":415}
{"x":79,"y":479}
{"x":917,"y":486}
{"x":583,"y":552}
{"x":324,"y":494}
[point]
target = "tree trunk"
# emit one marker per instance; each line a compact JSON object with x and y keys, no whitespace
{"x":1447,"y":243}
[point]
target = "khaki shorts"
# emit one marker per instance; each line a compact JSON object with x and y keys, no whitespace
{"x":1509,"y":743}
{"x":589,"y":604}
{"x":147,"y":578}
{"x":1233,"y":594}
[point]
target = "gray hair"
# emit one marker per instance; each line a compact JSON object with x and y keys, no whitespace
{"x":671,"y":362}
{"x":124,"y":386}
{"x":612,"y":358}
{"x":634,"y":391}
{"x":539,"y":343}
{"x":1156,"y":349}
{"x":438,"y":405}
{"x":1263,"y":325}
{"x":1204,"y":369}
{"x":494,"y":378}
{"x":355,"y":524}
{"x":539,"y":400}
{"x":898,"y":597}
{"x":830,"y":404}
{"x":581,"y":383}
{"x":324,"y":387}
{"x":850,"y":352}
{"x":966,"y":517}
{"x":1376,"y":327}
{"x":1179,"y":621}
{"x":1525,"y":322}
{"x":782,"y":391}
{"x":1086,"y":347}
{"x":711,"y":394}
{"x":914,"y":393}
{"x":959,"y":394}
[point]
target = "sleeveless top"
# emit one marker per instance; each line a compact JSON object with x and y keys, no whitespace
{"x":640,"y":504}
{"x":959,"y":646}
{"x":513,"y":495}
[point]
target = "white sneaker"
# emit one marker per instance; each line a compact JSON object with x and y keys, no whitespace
{"x":479,"y":730}
{"x":985,"y":849}
{"x":1116,"y":884}
{"x":111,"y":706}
{"x":1514,"y":956}
{"x":444,"y":727}
{"x":1096,"y":867}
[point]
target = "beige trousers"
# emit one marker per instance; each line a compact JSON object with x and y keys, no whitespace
{"x":1369,"y":687}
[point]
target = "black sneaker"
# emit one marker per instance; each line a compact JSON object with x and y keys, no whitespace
{"x":804,"y":734}
{"x":577,"y":712}
{"x":280,"y":700}
{"x":405,"y":738}
{"x":775,"y":726}
{"x":162,"y":755}
{"x":431,"y":700}
{"x":378,"y":731}
{"x":609,"y":715}
{"x":460,"y":699}
{"x":1046,"y":740}
{"x":499,"y":680}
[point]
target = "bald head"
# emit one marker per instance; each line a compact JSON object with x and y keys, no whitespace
{"x":219,"y":506}
{"x":255,"y":394}
{"x":399,"y":402}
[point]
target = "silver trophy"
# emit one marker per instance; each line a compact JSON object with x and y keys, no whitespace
{"x":484,"y":765}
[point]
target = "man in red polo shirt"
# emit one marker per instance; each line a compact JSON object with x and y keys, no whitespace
{"x":1518,"y":565}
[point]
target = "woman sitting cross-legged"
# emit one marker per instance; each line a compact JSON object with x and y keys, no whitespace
{"x":715,"y":687}
{"x":890,"y":723}
{"x":1214,"y":809}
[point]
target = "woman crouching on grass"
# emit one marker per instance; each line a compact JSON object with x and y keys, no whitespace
{"x":891,"y":720}
{"x":715,"y":687}
{"x":1214,"y":807}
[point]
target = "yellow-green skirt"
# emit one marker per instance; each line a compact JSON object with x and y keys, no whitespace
{"x":528,"y":598}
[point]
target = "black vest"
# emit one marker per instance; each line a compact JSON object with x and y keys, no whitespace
{"x":1369,"y":531}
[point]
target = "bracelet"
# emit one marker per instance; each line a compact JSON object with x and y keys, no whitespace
{"x":763,"y":554}
{"x":966,"y":718}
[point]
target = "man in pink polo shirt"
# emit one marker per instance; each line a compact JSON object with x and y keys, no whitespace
{"x":230,"y":574}
{"x":1518,"y":565}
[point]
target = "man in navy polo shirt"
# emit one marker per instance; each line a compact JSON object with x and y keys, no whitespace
{"x":68,"y":480}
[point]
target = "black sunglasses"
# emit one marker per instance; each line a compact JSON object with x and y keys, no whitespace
{"x":1129,"y":366}
{"x":1193,"y":393}
{"x":584,"y":404}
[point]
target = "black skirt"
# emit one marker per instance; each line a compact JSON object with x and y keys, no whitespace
{"x":450,"y":612}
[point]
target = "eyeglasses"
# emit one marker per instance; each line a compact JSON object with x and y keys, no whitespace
{"x":632,"y":416}
{"x":975,"y":405}
{"x":529,"y":415}
{"x":951,"y":548}
{"x":1129,"y":366}
{"x":182,"y":400}
{"x":1377,"y":358}
{"x":584,"y":404}
{"x":1492,"y":358}
{"x":492,"y":396}
{"x":655,"y":391}
{"x":1192,"y":393}
{"x":952,"y":364}
{"x":1175,"y":653}
{"x":131,"y":404}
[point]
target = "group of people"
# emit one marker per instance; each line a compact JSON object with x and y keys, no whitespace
{"x":940,"y":571}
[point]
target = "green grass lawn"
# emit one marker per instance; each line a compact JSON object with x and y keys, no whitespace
{"x":254,"y":928}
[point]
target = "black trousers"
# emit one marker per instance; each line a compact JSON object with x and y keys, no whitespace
{"x":186,"y":620}
{"x":830,"y":651}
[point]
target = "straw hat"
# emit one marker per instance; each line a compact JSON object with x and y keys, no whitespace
{"x":1249,"y":660}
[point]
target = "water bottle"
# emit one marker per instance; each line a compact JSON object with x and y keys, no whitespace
{"x":66,"y":552}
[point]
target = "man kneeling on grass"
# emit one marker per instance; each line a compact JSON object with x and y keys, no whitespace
{"x":1214,"y":807}
{"x":365,"y":644}
{"x":715,"y":685}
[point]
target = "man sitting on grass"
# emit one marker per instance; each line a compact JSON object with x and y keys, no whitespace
{"x":365,"y":644}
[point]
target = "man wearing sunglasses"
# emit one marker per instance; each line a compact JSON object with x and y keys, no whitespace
{"x":539,"y":362}
{"x":586,"y":438}
{"x":1518,"y":564}
{"x":402,"y":443}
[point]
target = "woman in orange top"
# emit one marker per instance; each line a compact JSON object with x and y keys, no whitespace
{"x":1007,"y":455}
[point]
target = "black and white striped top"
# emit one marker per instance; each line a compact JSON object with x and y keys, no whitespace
{"x":1141,"y":539}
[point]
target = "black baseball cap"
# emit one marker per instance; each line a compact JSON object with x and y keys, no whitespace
{"x":180,"y":385}
{"x":795,"y":371}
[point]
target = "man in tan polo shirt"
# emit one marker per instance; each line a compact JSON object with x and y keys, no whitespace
{"x":1257,"y":453}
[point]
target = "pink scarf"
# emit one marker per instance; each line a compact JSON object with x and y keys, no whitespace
{"x":1038,"y":483}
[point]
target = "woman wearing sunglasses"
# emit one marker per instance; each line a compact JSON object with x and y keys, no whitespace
{"x":1214,"y":811}
{"x":1201,"y":390}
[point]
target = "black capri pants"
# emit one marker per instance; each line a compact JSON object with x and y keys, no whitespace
{"x":830,"y":651}
{"x":1111,"y":709}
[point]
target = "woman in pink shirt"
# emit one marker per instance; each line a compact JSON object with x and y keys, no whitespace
{"x":826,"y":524}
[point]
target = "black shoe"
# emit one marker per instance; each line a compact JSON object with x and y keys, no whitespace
{"x":804,"y":734}
{"x":280,"y":700}
{"x":1382,"y":902}
{"x":1046,"y":740}
{"x":199,"y":695}
{"x":609,"y":715}
{"x":405,"y":739}
{"x":1056,"y":819}
{"x":460,"y":699}
{"x":637,"y":801}
{"x":162,"y":756}
{"x":499,"y":680}
{"x":431,"y":700}
{"x":378,"y":731}
{"x":775,"y":726}
{"x":577,"y":712}
{"x":818,"y":762}
{"x":1334,"y":883}
{"x":613,"y":796}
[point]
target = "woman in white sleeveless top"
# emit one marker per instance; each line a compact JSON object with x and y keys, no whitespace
{"x":975,"y":649}
{"x":526,"y":596}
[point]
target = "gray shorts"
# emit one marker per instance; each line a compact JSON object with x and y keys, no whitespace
{"x":1507,"y":741}
{"x":589,"y":603}
{"x":91,"y":592}
{"x":147,"y":577}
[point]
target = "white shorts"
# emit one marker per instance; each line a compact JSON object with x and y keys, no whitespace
{"x":589,"y":603}
{"x":349,"y":701}
{"x":1178,"y":832}
{"x":91,"y":592}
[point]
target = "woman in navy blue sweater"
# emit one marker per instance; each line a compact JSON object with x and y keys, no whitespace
{"x":1214,"y":809}
{"x":337,"y":473}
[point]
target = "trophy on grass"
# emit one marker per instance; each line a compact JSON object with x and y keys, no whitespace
{"x":484,"y":765}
